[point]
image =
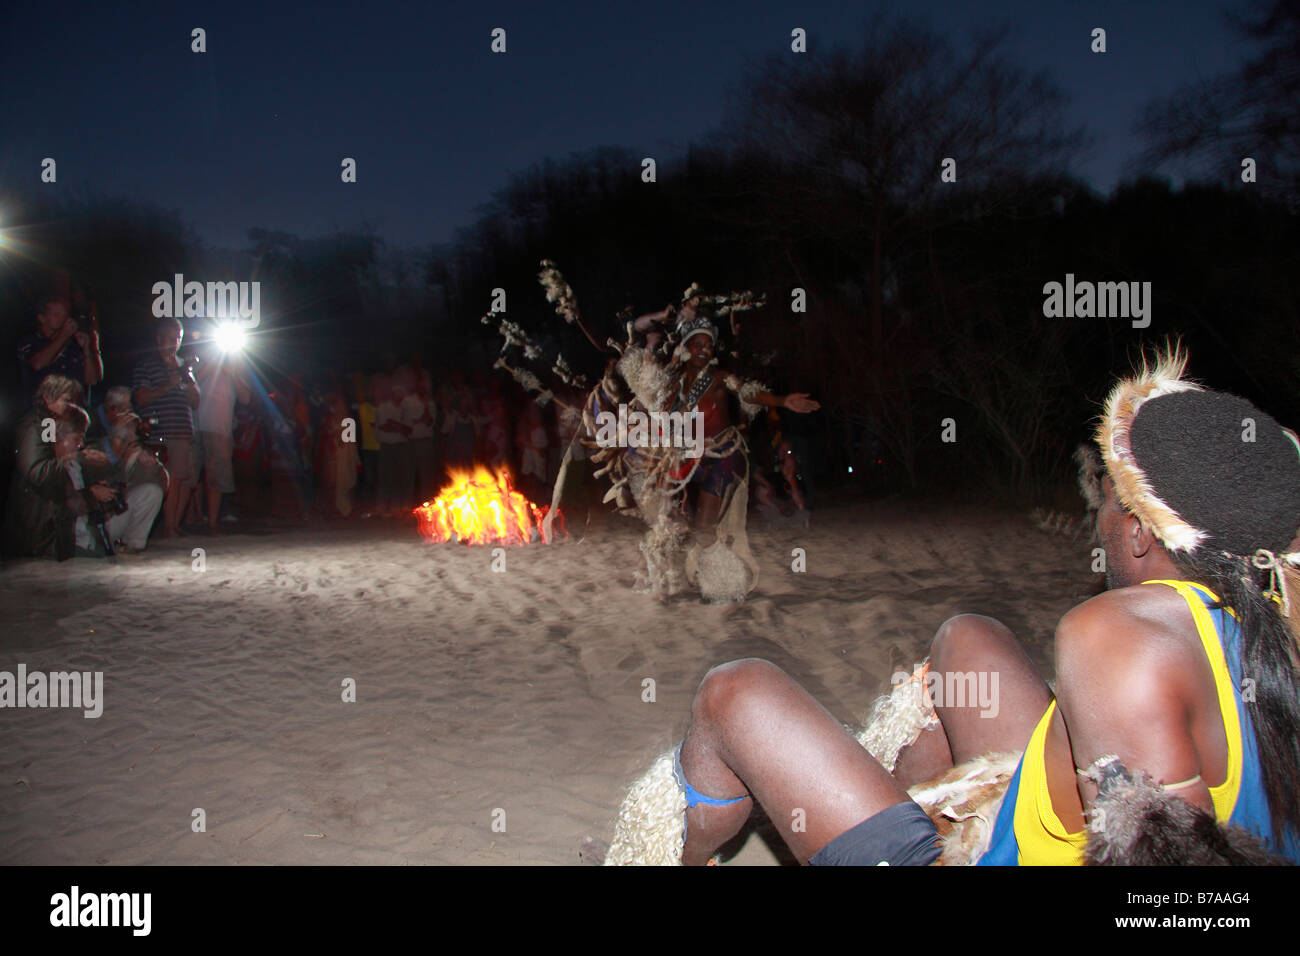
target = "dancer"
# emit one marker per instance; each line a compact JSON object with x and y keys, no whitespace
{"x":653,"y":373}
{"x":722,"y":473}
{"x":1172,"y":730}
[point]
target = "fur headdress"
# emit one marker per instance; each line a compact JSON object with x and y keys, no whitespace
{"x":1203,"y":469}
{"x":1114,"y":436}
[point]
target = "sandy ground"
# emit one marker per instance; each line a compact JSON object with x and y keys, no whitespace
{"x":511,"y":698}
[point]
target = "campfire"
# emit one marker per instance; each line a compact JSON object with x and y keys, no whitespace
{"x":480,"y":507}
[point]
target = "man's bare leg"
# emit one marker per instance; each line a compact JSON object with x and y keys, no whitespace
{"x":754,"y":731}
{"x":974,"y":644}
{"x":214,"y":509}
{"x":790,"y":473}
{"x":178,"y":497}
{"x":707,"y":509}
{"x":924,"y":759}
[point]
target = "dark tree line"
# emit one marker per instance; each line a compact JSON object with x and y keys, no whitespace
{"x":924,"y":296}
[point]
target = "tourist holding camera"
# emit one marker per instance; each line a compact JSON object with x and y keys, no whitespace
{"x":44,"y":501}
{"x":60,"y":346}
{"x":139,"y":484}
{"x":166,"y":390}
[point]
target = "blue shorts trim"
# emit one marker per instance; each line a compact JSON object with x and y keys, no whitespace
{"x":694,"y":797}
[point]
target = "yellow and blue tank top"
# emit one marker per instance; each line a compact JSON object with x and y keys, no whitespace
{"x":1029,"y":833}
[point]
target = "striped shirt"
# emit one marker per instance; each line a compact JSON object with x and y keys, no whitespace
{"x":175,"y":417}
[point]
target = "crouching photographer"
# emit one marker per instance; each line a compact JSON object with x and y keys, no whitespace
{"x":45,"y":501}
{"x":138,"y":482}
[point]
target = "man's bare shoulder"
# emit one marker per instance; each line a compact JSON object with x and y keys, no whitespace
{"x":1139,"y":629}
{"x":1131,"y":680}
{"x":1133,"y":610}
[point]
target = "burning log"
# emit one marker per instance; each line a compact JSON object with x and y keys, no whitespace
{"x":483,"y":507}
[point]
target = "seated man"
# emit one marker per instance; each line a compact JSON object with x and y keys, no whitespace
{"x":1184,"y":668}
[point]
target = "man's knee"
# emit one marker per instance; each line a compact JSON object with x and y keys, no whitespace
{"x":965,"y":635}
{"x":144,"y":499}
{"x":729,"y":688}
{"x":148,"y":495}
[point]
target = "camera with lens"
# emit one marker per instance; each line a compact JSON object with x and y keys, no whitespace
{"x":189,"y":359}
{"x":115,"y":505}
{"x":145,"y":431}
{"x":98,"y":519}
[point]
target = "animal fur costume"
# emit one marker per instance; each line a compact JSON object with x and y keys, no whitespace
{"x":647,"y":482}
{"x":1132,"y":822}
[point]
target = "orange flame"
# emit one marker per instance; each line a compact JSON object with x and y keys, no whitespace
{"x":480,"y":507}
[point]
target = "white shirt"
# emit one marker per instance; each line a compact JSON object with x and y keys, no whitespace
{"x":412,"y":408}
{"x":387,"y":412}
{"x":216,"y":400}
{"x":83,"y":528}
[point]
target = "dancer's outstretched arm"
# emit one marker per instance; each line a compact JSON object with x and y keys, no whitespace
{"x":795,"y":401}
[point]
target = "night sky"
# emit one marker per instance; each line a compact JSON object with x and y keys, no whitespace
{"x":251,"y":133}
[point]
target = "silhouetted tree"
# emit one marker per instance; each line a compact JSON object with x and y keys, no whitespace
{"x":856,"y":140}
{"x":1217,"y":123}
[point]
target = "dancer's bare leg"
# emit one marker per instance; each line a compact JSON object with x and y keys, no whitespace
{"x":707,"y":509}
{"x":790,"y":473}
